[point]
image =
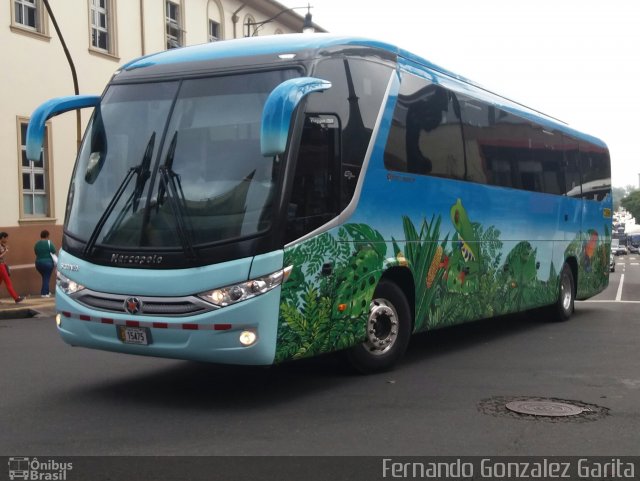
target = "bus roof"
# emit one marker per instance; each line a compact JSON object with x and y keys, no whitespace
{"x":254,"y":46}
{"x":311,"y":46}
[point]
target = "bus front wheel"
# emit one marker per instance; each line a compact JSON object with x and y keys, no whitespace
{"x":388,"y":331}
{"x":566,"y":295}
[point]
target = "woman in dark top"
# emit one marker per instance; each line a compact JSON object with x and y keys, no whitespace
{"x":44,"y":248}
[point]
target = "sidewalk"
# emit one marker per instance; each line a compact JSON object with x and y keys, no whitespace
{"x":30,"y":307}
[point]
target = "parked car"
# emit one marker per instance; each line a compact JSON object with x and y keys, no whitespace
{"x":612,"y":263}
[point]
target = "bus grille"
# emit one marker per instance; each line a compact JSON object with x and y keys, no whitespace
{"x":149,"y":306}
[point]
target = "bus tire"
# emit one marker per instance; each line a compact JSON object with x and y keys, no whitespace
{"x":566,"y":295}
{"x":388,"y":331}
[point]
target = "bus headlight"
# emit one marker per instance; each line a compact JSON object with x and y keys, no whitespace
{"x":226,"y":296}
{"x":67,"y":285}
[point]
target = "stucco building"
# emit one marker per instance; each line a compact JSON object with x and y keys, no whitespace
{"x":101,"y":35}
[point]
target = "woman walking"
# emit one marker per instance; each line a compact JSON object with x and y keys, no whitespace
{"x":44,"y":250}
{"x":4,"y":272}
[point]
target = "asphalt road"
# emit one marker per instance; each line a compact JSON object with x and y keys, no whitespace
{"x":446,"y":397}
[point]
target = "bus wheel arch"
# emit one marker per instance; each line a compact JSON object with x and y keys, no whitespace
{"x":572,"y":262}
{"x":403,"y":278}
{"x":389,"y":327}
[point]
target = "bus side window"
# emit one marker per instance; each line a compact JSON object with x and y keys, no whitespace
{"x":507,"y":150}
{"x":425,"y":136}
{"x":483,"y":164}
{"x":571,"y":167}
{"x":315,"y":194}
{"x":595,"y":166}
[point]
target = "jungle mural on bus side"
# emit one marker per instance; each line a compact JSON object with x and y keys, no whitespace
{"x":460,"y":273}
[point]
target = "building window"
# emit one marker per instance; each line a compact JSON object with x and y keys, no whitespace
{"x":249,"y":26}
{"x":35,"y":177}
{"x":215,"y":20}
{"x":214,"y":31}
{"x":174,"y":30}
{"x":101,"y":20}
{"x":29,"y":15}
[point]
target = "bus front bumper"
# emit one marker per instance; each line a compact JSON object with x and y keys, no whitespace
{"x":210,"y":337}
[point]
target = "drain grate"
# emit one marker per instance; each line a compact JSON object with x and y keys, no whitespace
{"x":545,"y":408}
{"x":542,"y":409}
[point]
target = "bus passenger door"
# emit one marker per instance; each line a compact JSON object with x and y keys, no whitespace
{"x":315,"y":192}
{"x":306,"y":309}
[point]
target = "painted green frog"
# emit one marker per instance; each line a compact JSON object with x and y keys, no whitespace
{"x":464,"y":264}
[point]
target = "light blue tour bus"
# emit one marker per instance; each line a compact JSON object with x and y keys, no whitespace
{"x":266,"y":199}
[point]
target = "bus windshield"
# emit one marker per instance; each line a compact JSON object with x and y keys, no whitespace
{"x":175,"y":164}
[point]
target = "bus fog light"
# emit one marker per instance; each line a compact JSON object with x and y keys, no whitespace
{"x":58,"y":320}
{"x":248,"y":338}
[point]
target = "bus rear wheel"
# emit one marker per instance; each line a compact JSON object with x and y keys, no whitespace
{"x":564,"y":306}
{"x":388,"y":331}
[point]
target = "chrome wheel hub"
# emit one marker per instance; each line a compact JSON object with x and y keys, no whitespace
{"x":565,"y":293}
{"x":382,"y":327}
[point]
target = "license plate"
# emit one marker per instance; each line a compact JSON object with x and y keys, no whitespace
{"x":134,"y":335}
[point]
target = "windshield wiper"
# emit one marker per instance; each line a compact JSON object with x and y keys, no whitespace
{"x":171,"y":186}
{"x":142,"y":173}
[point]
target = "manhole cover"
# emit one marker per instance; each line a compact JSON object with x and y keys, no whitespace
{"x":545,"y":408}
{"x":541,"y":409}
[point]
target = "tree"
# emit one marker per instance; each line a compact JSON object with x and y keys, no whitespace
{"x":632,"y":203}
{"x":619,"y":193}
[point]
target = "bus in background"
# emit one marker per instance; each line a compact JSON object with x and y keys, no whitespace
{"x":266,"y":199}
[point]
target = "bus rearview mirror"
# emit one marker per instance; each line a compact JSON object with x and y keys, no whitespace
{"x":279,"y":108}
{"x":51,"y":108}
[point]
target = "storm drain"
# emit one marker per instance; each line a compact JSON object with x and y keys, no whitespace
{"x":541,"y":409}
